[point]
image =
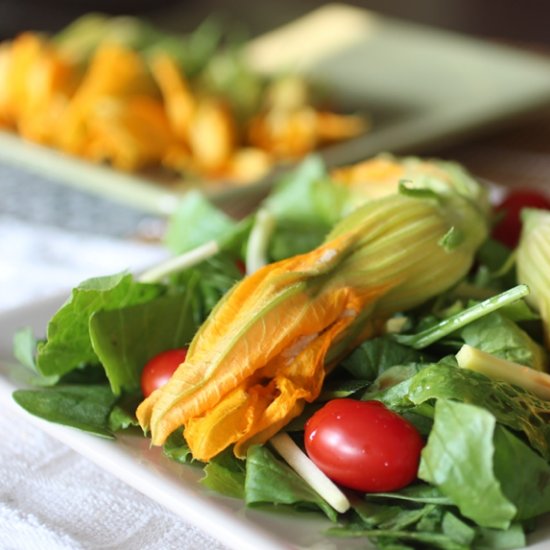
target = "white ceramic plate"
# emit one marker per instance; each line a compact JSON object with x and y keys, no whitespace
{"x":176,"y":486}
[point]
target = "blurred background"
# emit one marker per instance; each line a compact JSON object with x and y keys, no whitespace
{"x":516,"y":153}
{"x":509,"y":20}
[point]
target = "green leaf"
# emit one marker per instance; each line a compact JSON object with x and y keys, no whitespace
{"x":462,"y":318}
{"x":195,"y":222}
{"x":335,"y":389}
{"x":68,"y":343}
{"x":424,"y":192}
{"x":125,"y":339}
{"x":83,"y":407}
{"x":194,"y":51}
{"x":269,"y":481}
{"x":452,"y":239}
{"x":376,"y":355}
{"x":121,"y":419}
{"x":512,"y":406}
{"x":524,"y":475}
{"x":457,"y":530}
{"x":392,"y":386}
{"x":226,"y":475}
{"x":208,"y":282}
{"x":306,"y":195}
{"x":373,"y":514}
{"x":458,"y":459}
{"x":295,"y":237}
{"x":305,"y":204}
{"x":389,"y":539}
{"x":176,"y":448}
{"x":227,"y":75}
{"x":498,"y":539}
{"x":24,"y":348}
{"x":419,"y":492}
{"x":493,"y":254}
{"x":499,"y":336}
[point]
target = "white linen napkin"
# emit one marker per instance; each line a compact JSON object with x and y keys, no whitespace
{"x":37,"y":260}
{"x":50,"y":497}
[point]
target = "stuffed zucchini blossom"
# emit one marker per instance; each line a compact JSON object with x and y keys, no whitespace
{"x":266,"y":348}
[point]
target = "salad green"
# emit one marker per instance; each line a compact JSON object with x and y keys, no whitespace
{"x":484,"y":474}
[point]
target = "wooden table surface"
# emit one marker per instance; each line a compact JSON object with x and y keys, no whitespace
{"x":515,"y":156}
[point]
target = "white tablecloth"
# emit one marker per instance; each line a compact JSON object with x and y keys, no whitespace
{"x":51,"y":497}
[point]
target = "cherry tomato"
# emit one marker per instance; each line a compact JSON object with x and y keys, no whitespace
{"x":241,"y":266}
{"x":363,"y":445}
{"x":508,"y":229}
{"x":160,"y":368}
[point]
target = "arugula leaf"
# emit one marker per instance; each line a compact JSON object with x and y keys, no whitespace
{"x":458,"y":459}
{"x":295,"y":237}
{"x":497,"y":539}
{"x":207,"y":282}
{"x":83,"y":407}
{"x":457,"y":530}
{"x":24,"y":348}
{"x":526,"y":486}
{"x":195,"y":222}
{"x":419,"y":492}
{"x":176,"y":448}
{"x":402,"y":517}
{"x":269,"y":481}
{"x":513,"y":407}
{"x":334,"y":389}
{"x":121,"y":419}
{"x":226,"y":475}
{"x":462,"y":318}
{"x":125,"y":339}
{"x":306,"y":204}
{"x":501,"y":337}
{"x":469,"y":454}
{"x":373,"y":514}
{"x":375,"y":356}
{"x":495,"y":266}
{"x":392,"y":376}
{"x":68,"y":343}
{"x":397,"y":511}
{"x":388,"y":539}
{"x":308,"y":195}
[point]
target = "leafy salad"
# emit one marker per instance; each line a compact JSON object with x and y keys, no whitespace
{"x":363,"y":316}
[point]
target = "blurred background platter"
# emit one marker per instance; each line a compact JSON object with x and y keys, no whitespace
{"x":423,"y":88}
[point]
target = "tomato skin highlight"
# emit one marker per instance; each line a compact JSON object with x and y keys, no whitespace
{"x":363,"y":445}
{"x":508,"y":229}
{"x":160,"y":368}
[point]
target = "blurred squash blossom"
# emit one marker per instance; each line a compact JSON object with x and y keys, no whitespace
{"x":266,"y":348}
{"x":37,"y":82}
{"x":117,"y":90}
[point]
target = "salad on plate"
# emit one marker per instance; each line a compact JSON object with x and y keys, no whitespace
{"x":361,"y":346}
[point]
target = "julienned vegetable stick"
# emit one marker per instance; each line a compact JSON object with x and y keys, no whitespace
{"x":499,"y":369}
{"x":179,"y":263}
{"x":256,"y":251}
{"x":305,"y":468}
